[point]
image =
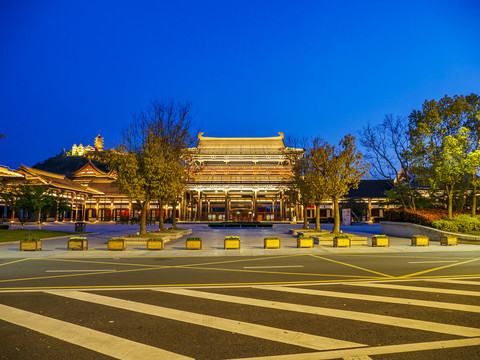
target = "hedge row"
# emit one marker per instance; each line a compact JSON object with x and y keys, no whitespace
{"x":421,"y":217}
{"x":460,"y":223}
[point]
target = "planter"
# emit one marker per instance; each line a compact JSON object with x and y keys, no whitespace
{"x":420,"y":240}
{"x":380,"y":241}
{"x":194,"y":244}
{"x":77,"y":244}
{"x":116,"y":244}
{"x":154,"y":244}
{"x":448,"y":240}
{"x":271,"y":243}
{"x":341,"y":242}
{"x":31,"y":245}
{"x":305,"y":242}
{"x":232,"y":242}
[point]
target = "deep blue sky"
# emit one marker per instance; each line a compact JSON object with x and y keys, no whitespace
{"x":251,"y":68}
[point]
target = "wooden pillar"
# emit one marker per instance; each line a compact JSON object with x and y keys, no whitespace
{"x":73,"y":202}
{"x":191,"y":206}
{"x":98,"y":208}
{"x":255,"y":215}
{"x":84,"y":207}
{"x":369,"y":209}
{"x":226,"y":205}
{"x":282,"y":210}
{"x":199,"y":205}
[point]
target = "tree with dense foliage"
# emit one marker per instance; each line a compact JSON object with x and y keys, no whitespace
{"x":450,"y":166}
{"x":342,"y":168}
{"x":430,"y":126}
{"x":26,"y":199}
{"x":146,"y":161}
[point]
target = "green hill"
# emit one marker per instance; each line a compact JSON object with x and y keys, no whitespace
{"x":62,"y":164}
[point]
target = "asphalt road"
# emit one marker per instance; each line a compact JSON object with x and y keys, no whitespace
{"x":285,"y":307}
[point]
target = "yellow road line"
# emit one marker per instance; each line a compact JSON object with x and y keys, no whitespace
{"x":242,"y":260}
{"x":103,"y":262}
{"x":14,"y":261}
{"x":437,"y":268}
{"x":277,"y":273}
{"x":354,"y":266}
{"x":313,"y":282}
{"x":71,"y":275}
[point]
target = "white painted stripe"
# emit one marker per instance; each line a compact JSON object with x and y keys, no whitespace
{"x":342,"y":314}
{"x":415,"y":288}
{"x":385,"y":299}
{"x":110,"y":345}
{"x":451,"y":281}
{"x":239,"y":327}
{"x":272,"y":267}
{"x":91,"y":270}
{"x":376,"y":350}
{"x":365,"y":357}
{"x":431,"y":262}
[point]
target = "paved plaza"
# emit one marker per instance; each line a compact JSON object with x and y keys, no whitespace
{"x":213,"y":242}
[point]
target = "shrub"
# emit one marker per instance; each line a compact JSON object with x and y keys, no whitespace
{"x":117,"y":239}
{"x":422,"y":217}
{"x":4,"y":227}
{"x":341,"y":236}
{"x":29,"y":238}
{"x":271,"y":238}
{"x":445,"y":225}
{"x":380,"y":236}
{"x":78,"y":238}
{"x":194,"y":238}
{"x":232,"y":238}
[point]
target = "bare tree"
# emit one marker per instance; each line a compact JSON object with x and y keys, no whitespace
{"x":387,"y":146}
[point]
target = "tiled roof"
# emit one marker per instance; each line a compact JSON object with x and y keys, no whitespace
{"x":53,"y":180}
{"x":370,"y":189}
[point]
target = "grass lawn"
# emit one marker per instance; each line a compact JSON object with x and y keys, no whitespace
{"x":19,"y":234}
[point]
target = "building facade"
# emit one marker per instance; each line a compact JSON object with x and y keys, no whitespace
{"x":239,"y":179}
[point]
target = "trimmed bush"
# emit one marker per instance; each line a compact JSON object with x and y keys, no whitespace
{"x":194,"y":238}
{"x":421,"y":217}
{"x":461,"y":223}
{"x":4,"y":227}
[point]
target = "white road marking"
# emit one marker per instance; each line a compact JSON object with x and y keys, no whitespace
{"x":342,"y":314}
{"x":385,"y":299}
{"x":90,"y":270}
{"x":414,"y":288}
{"x":272,"y":267}
{"x":110,"y":345}
{"x":431,"y":262}
{"x":234,"y":326}
{"x":451,"y":281}
{"x":376,"y":350}
{"x":365,"y":357}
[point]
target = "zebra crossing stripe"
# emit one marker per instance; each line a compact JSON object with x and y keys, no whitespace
{"x":110,"y":345}
{"x":452,"y":281}
{"x":239,"y":327}
{"x":384,"y":299}
{"x":414,"y":288}
{"x":376,"y":350}
{"x":342,"y":314}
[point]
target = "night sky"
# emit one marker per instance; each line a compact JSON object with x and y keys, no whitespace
{"x":69,"y":69}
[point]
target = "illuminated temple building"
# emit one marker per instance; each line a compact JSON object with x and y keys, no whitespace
{"x":240,"y":179}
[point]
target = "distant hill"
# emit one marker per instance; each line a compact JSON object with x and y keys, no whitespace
{"x":65,"y":165}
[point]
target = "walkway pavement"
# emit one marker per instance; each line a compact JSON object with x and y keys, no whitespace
{"x":251,"y":242}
